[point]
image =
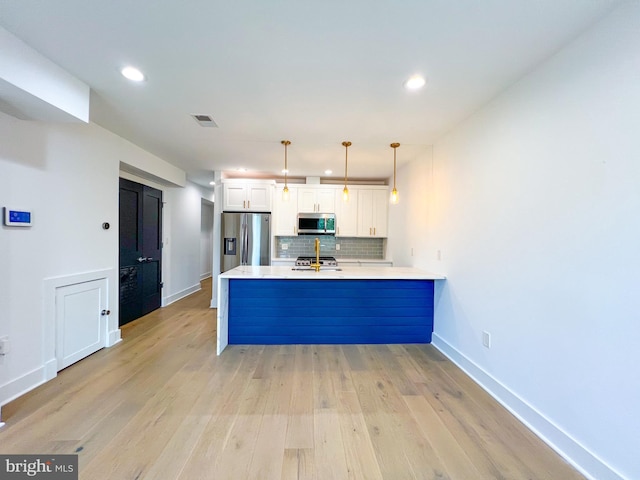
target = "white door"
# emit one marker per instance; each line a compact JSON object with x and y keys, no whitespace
{"x":81,"y":326}
{"x":380,"y":212}
{"x":259,"y":198}
{"x":326,"y":200}
{"x":285,"y":213}
{"x":365,"y":213}
{"x":307,"y":200}
{"x":346,"y":215}
{"x":235,"y":197}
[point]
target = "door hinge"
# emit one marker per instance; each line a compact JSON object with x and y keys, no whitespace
{"x":161,"y":284}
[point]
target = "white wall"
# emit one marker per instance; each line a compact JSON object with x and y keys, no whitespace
{"x":183,"y":240}
{"x":67,"y":175}
{"x":206,"y":240}
{"x":409,"y":219}
{"x":535,"y":207}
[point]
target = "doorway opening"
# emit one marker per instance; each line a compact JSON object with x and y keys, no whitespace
{"x":140,"y":208}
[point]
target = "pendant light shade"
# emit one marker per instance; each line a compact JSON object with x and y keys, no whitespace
{"x":394,"y":193}
{"x":285,"y":190}
{"x":345,"y":190}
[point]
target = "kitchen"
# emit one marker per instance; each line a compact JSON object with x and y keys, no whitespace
{"x":364,"y":300}
{"x":527,"y":203}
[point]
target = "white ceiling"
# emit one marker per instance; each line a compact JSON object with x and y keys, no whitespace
{"x":314,"y":72}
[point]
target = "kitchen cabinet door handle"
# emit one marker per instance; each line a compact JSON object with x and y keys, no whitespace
{"x":374,"y":230}
{"x":248,"y":203}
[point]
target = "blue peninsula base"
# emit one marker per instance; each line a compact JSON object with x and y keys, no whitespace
{"x":345,"y":311}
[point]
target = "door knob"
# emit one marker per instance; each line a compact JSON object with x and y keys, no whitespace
{"x":141,"y":259}
{"x":105,"y":312}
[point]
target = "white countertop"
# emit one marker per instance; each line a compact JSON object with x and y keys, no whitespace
{"x":346,"y":273}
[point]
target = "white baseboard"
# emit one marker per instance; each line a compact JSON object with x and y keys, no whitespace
{"x":204,"y":276}
{"x":113,"y":337}
{"x":21,"y":385}
{"x":50,"y":369}
{"x":576,"y":454}
{"x":177,"y":296}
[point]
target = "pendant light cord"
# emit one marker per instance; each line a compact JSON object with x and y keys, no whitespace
{"x":286,"y":168}
{"x":346,"y":146}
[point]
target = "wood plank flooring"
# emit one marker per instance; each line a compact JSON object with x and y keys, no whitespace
{"x":162,"y":405}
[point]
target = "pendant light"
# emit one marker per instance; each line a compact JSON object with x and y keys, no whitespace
{"x":345,"y":191}
{"x":285,"y":190}
{"x":394,"y":193}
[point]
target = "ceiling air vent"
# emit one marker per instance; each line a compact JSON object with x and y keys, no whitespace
{"x":205,"y":121}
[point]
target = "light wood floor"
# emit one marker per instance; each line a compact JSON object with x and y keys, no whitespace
{"x":162,"y":405}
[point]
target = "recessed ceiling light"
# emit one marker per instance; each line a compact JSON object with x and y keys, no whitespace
{"x":328,"y":172}
{"x":415,"y":82}
{"x":132,"y":74}
{"x":212,"y":183}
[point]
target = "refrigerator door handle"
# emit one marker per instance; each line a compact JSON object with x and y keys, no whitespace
{"x":244,"y":250}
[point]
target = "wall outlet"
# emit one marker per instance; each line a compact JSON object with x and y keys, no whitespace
{"x":486,"y":339}
{"x":4,"y":345}
{"x":285,"y":246}
{"x":337,"y":246}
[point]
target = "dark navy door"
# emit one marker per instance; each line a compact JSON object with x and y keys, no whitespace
{"x":140,"y":250}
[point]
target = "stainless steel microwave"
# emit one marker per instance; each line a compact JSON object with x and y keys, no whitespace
{"x":316,"y":224}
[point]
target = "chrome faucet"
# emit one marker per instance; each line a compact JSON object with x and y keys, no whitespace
{"x":316,"y":265}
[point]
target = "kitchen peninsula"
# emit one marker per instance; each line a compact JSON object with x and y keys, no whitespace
{"x":279,"y":305}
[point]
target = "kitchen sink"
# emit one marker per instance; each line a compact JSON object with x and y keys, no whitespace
{"x":311,"y":269}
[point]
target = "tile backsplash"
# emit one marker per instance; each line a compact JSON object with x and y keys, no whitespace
{"x":369,"y":248}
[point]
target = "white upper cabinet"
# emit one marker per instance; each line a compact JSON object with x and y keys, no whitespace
{"x":247,"y":196}
{"x":285,"y":214}
{"x":373,"y":212}
{"x":346,"y":214}
{"x":316,"y":199}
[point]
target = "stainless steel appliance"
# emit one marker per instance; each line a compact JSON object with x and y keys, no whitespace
{"x":316,"y":224}
{"x":246,"y":240}
{"x":324,"y":261}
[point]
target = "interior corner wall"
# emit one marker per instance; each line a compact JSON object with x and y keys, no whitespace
{"x":535,"y":211}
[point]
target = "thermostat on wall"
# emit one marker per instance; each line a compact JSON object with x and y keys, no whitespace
{"x":17,"y":218}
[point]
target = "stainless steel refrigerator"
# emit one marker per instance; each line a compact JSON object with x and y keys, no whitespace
{"x":246,"y":240}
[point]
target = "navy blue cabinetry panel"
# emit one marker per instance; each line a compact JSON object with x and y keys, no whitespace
{"x":268,"y":312}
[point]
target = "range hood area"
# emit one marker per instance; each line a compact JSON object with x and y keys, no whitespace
{"x":316,"y":224}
